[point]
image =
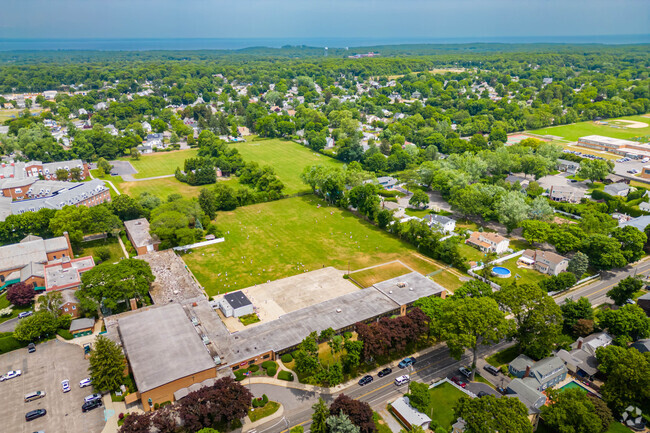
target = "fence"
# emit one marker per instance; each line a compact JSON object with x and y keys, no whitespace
{"x":460,"y":388}
{"x":198,"y":244}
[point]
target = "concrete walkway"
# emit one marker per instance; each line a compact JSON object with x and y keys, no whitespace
{"x":126,"y":254}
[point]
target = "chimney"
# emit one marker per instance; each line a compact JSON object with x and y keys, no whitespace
{"x":527,"y":373}
{"x":580,"y":343}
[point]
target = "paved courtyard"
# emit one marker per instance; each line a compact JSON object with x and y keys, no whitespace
{"x":44,"y":370}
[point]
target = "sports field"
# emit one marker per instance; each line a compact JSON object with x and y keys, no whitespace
{"x":161,"y":188}
{"x":574,"y":131}
{"x":160,"y":163}
{"x":279,"y":239}
{"x":286,"y":157}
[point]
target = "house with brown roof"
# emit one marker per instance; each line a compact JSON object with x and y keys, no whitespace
{"x":545,"y":262}
{"x":488,"y":242}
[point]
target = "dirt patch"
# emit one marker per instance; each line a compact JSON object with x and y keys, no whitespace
{"x":628,"y":123}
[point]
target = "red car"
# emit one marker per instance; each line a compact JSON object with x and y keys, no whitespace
{"x":458,"y":381}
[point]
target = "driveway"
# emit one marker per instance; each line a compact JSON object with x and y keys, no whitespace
{"x":9,"y":325}
{"x":44,"y":370}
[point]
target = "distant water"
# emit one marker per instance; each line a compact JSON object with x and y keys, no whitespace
{"x":239,"y":43}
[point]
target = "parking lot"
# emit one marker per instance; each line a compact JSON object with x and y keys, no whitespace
{"x":44,"y":370}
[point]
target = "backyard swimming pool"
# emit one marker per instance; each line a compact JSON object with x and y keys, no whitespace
{"x":501,"y":272}
{"x":572,"y":385}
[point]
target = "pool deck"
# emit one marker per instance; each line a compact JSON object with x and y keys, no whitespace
{"x":570,"y":379}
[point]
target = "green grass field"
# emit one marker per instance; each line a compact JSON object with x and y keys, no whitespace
{"x":443,"y":401}
{"x":521,"y":275}
{"x":503,"y":357}
{"x":279,"y":239}
{"x":4,"y":303}
{"x":371,"y":276}
{"x":161,"y":188}
{"x":90,"y":248}
{"x":286,"y":157}
{"x":160,"y":163}
{"x":574,"y":131}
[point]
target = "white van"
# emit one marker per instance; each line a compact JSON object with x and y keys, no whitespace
{"x":401,"y":380}
{"x":34,"y":396}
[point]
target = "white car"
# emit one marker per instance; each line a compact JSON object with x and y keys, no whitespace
{"x":65,"y":385}
{"x":85,"y":382}
{"x":93,"y":397}
{"x":465,"y":371}
{"x":12,"y":374}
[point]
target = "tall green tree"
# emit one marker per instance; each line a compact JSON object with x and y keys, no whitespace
{"x":571,"y":411}
{"x":419,"y":396}
{"x":627,"y":324}
{"x":512,"y":209}
{"x":625,"y":289}
{"x":628,"y":377}
{"x":341,"y":424}
{"x":107,"y":364}
{"x":489,"y":414}
{"x":319,"y":417}
{"x":537,"y":317}
{"x":578,"y":264}
{"x":470,"y":322}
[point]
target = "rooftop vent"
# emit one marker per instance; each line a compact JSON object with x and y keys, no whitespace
{"x":338,"y":310}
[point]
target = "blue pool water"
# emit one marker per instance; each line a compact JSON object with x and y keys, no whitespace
{"x":501,"y":271}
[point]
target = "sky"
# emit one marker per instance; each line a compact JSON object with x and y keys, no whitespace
{"x":304,"y":19}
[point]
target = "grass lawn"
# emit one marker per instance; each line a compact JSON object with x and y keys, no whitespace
{"x":521,"y":275}
{"x":471,"y":253}
{"x":574,"y":131}
{"x":160,"y":163}
{"x":419,"y":213}
{"x":14,"y":113}
{"x":286,"y":157}
{"x":249,"y":319}
{"x":116,"y":180}
{"x":274,"y":240}
{"x":443,"y":402}
{"x":90,"y":248}
{"x":269,"y":409}
{"x":479,"y":378}
{"x":161,"y":188}
{"x":503,"y":357}
{"x":371,"y":276}
{"x":4,"y":303}
{"x":448,"y":280}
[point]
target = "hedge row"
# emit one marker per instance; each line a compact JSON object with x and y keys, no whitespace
{"x":270,"y":372}
{"x":285,"y":375}
{"x":64,"y":333}
{"x":269,"y":364}
{"x":286,"y":358}
{"x":9,"y":343}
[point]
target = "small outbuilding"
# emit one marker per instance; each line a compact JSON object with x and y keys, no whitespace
{"x":236,"y":304}
{"x":138,"y":233}
{"x":81,"y":327}
{"x":408,"y":415}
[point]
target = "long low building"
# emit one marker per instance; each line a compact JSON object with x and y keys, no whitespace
{"x":165,"y":353}
{"x":267,"y":340}
{"x":631,"y":149}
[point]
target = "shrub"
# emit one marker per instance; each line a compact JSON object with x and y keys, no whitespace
{"x":239,"y":375}
{"x":165,"y":403}
{"x":286,"y":358}
{"x":103,"y":253}
{"x":121,"y":415}
{"x":156,"y":406}
{"x":265,"y":399}
{"x":64,"y":333}
{"x":255,"y":403}
{"x":347,"y":334}
{"x":285,"y":375}
{"x":270,"y":372}
{"x":253,"y":368}
{"x":269,"y":364}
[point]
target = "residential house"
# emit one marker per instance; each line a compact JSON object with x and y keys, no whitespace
{"x":567,"y":166}
{"x":566,"y":194}
{"x":408,"y":415}
{"x":458,"y":426}
{"x":441,"y":223}
{"x":617,"y":189}
{"x":81,"y":327}
{"x":387,"y":182}
{"x":545,"y":262}
{"x":581,"y":360}
{"x":488,"y":242}
{"x":640,"y":222}
{"x":645,"y":206}
{"x":539,"y":375}
{"x":529,"y":396}
{"x":642,"y":346}
{"x":513,"y":178}
{"x":643,"y":301}
{"x":615,"y":178}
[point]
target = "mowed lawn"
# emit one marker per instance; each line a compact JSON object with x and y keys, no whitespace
{"x":161,"y":163}
{"x":574,"y":131}
{"x":161,"y":188}
{"x":443,"y":402}
{"x":287,"y":158}
{"x":274,"y":240}
{"x":375,"y":275}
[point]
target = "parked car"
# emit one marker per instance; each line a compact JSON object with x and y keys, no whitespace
{"x":385,"y":372}
{"x":90,"y":405}
{"x":465,"y":372}
{"x":85,"y":382}
{"x":482,"y":394}
{"x":31,"y":348}
{"x":365,"y":380}
{"x":34,"y":396}
{"x":65,"y":385}
{"x":491,"y":369}
{"x":12,"y":374}
{"x":406,"y":362}
{"x":401,"y":380}
{"x":33,"y":414}
{"x":93,"y":397}
{"x":25,"y":314}
{"x":458,"y":381}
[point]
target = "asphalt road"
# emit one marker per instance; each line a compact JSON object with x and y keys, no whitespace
{"x":597,"y":291}
{"x":9,"y":325}
{"x":430,"y":367}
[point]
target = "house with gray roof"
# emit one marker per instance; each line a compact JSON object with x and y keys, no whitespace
{"x":642,"y":346}
{"x":440,"y":223}
{"x":408,"y":415}
{"x":581,"y":360}
{"x":539,"y":375}
{"x":387,"y":182}
{"x":617,"y":189}
{"x":529,"y":396}
{"x":640,"y":222}
{"x":643,"y":301}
